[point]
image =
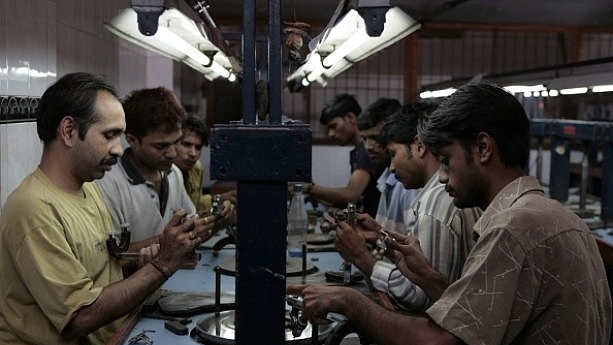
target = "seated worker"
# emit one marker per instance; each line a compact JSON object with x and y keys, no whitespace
{"x":60,"y":285}
{"x":395,"y":200}
{"x":535,"y":275}
{"x":147,"y":188}
{"x":340,"y":117}
{"x":195,"y":135}
{"x":444,"y":230}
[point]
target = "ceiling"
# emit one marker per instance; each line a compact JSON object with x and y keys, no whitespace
{"x":526,"y":12}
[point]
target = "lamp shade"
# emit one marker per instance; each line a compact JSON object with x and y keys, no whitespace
{"x":178,"y":37}
{"x":347,"y":42}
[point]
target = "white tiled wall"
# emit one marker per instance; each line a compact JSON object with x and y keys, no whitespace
{"x":41,"y":40}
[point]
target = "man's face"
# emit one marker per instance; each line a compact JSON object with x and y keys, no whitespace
{"x":101,"y":147}
{"x":343,"y":129}
{"x":188,"y":150}
{"x":376,"y":152}
{"x":404,"y":164}
{"x":157,"y":149}
{"x":461,"y":176}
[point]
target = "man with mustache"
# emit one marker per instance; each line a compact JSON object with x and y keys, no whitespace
{"x":146,"y":189}
{"x":60,"y":285}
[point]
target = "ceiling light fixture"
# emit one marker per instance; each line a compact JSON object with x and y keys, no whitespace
{"x":178,"y":37}
{"x":573,"y":91}
{"x":602,"y":88}
{"x":347,"y":43}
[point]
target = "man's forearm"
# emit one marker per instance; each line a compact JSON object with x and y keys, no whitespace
{"x":116,"y":300}
{"x":386,"y":327}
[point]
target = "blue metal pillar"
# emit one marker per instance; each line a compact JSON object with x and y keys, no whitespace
{"x":262,"y":159}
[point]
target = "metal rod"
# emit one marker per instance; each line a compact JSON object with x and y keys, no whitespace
{"x":274,"y":61}
{"x":217,"y":291}
{"x":351,"y":220}
{"x":249,"y":9}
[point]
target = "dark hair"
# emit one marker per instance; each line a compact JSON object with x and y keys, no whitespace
{"x":377,"y":112}
{"x":339,"y":106}
{"x":480,"y":108}
{"x":152,"y":109}
{"x":401,"y":127}
{"x":72,"y":95}
{"x":196,"y":125}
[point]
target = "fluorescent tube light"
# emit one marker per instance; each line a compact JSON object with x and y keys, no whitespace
{"x":178,"y":38}
{"x":602,"y":88}
{"x":437,"y":93}
{"x":574,"y":91}
{"x":347,"y":42}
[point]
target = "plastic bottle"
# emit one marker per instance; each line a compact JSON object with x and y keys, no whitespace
{"x":297,"y":223}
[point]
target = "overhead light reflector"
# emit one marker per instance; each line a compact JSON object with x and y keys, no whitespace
{"x":347,"y":42}
{"x":178,"y":37}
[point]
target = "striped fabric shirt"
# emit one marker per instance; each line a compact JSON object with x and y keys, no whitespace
{"x":395,"y":212}
{"x":445,"y":236}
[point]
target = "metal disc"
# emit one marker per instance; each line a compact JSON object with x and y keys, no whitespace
{"x":220,"y":330}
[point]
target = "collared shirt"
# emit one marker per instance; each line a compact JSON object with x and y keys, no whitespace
{"x":133,"y":200}
{"x":535,"y":276}
{"x":394,"y":212}
{"x":445,"y":235}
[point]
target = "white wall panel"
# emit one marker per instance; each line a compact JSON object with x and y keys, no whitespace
{"x":20,"y":150}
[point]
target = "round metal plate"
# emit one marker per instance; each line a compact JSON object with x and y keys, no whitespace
{"x":293,"y":267}
{"x":220,"y":330}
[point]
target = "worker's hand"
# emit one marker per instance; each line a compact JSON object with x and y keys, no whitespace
{"x":146,"y":254}
{"x":319,"y":300}
{"x":180,"y":237}
{"x":368,"y":227}
{"x":228,"y":215}
{"x":230,"y":196}
{"x":405,"y":251}
{"x":352,"y":246}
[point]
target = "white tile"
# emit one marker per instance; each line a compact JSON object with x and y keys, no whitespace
{"x":18,"y":46}
{"x":3,"y":64}
{"x":20,"y":151}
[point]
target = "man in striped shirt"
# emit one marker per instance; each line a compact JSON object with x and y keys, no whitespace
{"x":395,"y":200}
{"x":444,"y":231}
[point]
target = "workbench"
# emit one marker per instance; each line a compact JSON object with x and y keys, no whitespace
{"x":202,"y":279}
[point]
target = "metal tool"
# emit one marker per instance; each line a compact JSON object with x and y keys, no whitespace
{"x":351,"y":220}
{"x":298,"y":321}
{"x":181,"y":320}
{"x":117,"y":250}
{"x":141,"y":338}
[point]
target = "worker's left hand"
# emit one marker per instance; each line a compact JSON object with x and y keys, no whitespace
{"x":405,"y":251}
{"x":146,"y":254}
{"x":319,"y":300}
{"x":350,"y":244}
